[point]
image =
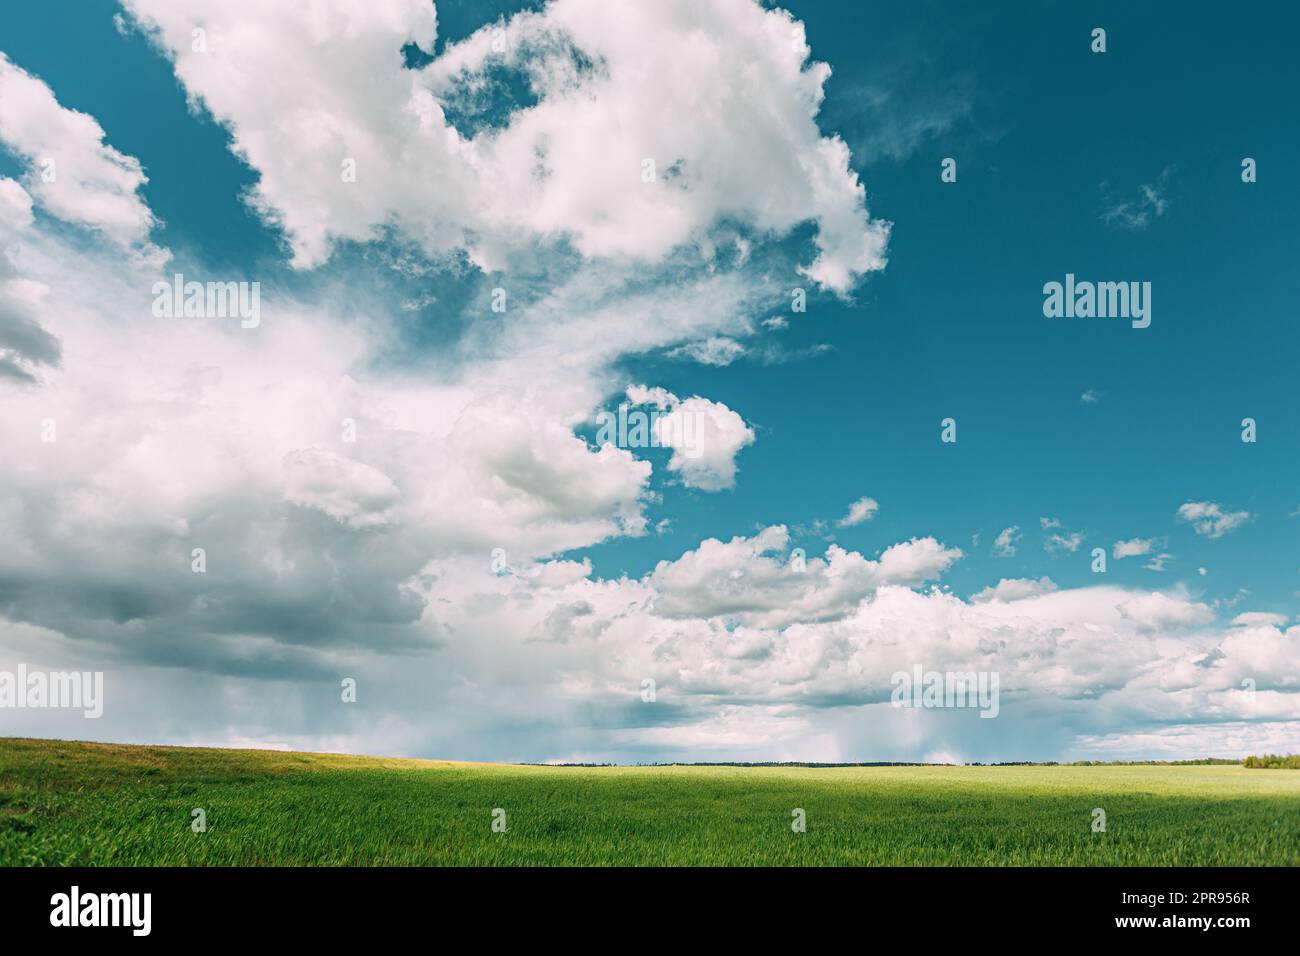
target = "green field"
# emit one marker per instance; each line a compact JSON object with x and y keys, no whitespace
{"x":105,"y":804}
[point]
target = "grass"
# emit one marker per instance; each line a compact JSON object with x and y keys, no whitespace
{"x":65,"y":803}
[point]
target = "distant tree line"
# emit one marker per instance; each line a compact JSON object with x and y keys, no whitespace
{"x":1199,"y":762}
{"x":1268,"y":761}
{"x":1273,"y":762}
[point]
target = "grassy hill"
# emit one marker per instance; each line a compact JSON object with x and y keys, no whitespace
{"x":106,"y":804}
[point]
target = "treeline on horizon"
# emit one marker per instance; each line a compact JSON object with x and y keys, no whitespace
{"x":1265,"y":761}
{"x":1274,"y":762}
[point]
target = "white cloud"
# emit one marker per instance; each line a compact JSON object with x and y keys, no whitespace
{"x":1211,"y":519}
{"x":1059,"y":539}
{"x":71,"y":172}
{"x":1014,"y":589}
{"x":73,"y":175}
{"x":174,"y":435}
{"x":1132,"y":548}
{"x":25,"y":344}
{"x":375,"y":557}
{"x":1233,"y":740}
{"x":864,"y":509}
{"x":1260,"y":619}
{"x":1138,"y":657}
{"x":1156,"y":611}
{"x":717,"y":351}
{"x":616,"y":85}
{"x":15,"y":206}
{"x":753,"y":580}
{"x":1158,"y":561}
{"x":349,"y":491}
{"x":705,"y":437}
{"x":1004,"y":545}
{"x":1150,"y":203}
{"x":913,"y":562}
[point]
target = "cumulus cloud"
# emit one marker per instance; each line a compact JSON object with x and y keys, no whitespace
{"x":193,"y":435}
{"x":1014,"y":589}
{"x":1231,"y":739}
{"x":915,"y":561}
{"x":349,"y":491}
{"x":1260,"y":618}
{"x":755,"y":581}
{"x":864,"y":509}
{"x":25,"y":344}
{"x":717,"y":633}
{"x":609,"y":153}
{"x":15,"y":206}
{"x":73,"y":175}
{"x":318,"y":491}
{"x":705,"y":436}
{"x":412,"y":527}
{"x":751,"y":656}
{"x":71,"y":172}
{"x":1210,"y":519}
{"x":1156,"y":611}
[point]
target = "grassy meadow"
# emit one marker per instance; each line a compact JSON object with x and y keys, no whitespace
{"x":64,"y":803}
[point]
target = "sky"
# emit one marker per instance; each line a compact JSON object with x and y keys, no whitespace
{"x":478,"y":229}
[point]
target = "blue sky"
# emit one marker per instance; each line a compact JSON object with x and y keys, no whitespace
{"x":1115,"y":166}
{"x":953,"y":326}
